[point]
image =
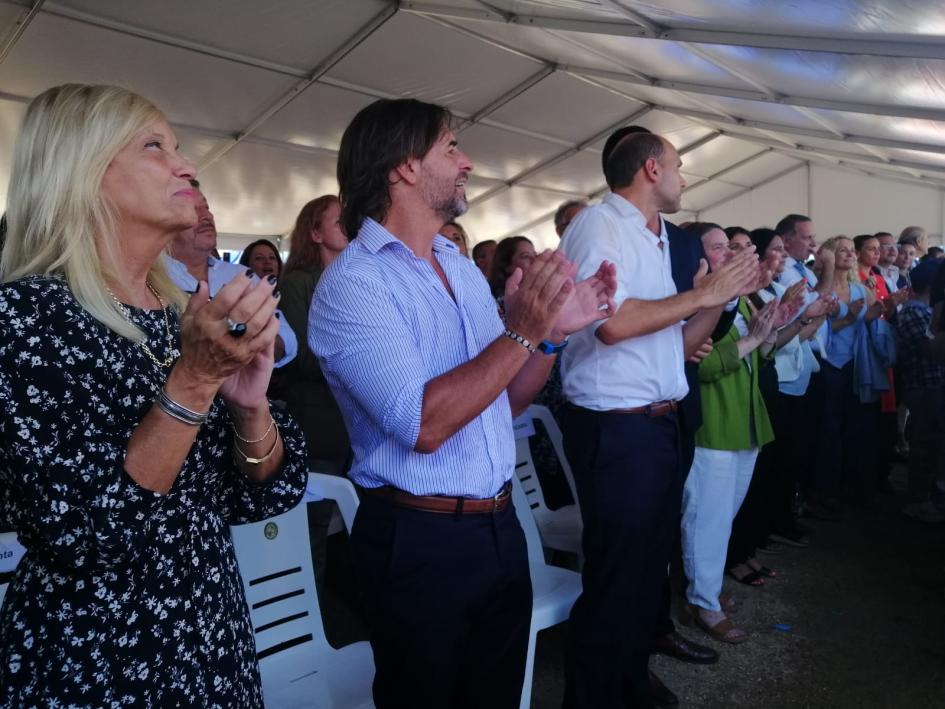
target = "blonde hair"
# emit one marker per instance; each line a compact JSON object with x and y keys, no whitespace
{"x":832,"y":244}
{"x":59,"y":222}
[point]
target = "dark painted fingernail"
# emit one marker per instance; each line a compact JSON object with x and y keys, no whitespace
{"x":249,"y":273}
{"x":271,"y":279}
{"x":275,"y":292}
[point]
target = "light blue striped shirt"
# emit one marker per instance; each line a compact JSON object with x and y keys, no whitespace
{"x":382,"y":325}
{"x":219,"y":273}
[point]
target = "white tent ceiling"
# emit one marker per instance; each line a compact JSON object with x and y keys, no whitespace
{"x":809,"y":104}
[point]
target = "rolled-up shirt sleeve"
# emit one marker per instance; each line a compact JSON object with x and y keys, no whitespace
{"x":366,"y":346}
{"x":289,"y":341}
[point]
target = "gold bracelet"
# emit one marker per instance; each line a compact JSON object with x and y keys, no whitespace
{"x":262,"y":438}
{"x":256,"y":461}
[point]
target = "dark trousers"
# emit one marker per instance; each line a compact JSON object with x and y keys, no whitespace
{"x":813,"y":418}
{"x":768,"y":503}
{"x":449,"y":601}
{"x":926,"y":431}
{"x":629,"y":483}
{"x":664,"y":619}
{"x":848,"y":447}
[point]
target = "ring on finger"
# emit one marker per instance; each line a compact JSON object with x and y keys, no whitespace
{"x":235,"y":329}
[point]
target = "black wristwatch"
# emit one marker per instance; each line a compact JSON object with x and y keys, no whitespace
{"x":550,"y":348}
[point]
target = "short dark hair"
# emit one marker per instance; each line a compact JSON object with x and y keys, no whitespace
{"x":630,"y":154}
{"x":248,"y":251}
{"x":700,"y":229}
{"x":861,"y":239}
{"x":762,"y":238}
{"x":882,"y":233}
{"x":731,"y":231}
{"x":788,"y":225}
{"x":382,"y":136}
{"x":477,"y":249}
{"x":615,"y":138}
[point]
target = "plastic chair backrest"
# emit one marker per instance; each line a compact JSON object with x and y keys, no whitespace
{"x":527,"y":475}
{"x":11,"y":551}
{"x":275,"y":563}
{"x":337,"y":488}
{"x":536,"y":555}
{"x":543,"y":414}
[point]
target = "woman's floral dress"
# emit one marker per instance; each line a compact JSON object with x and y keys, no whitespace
{"x":124,"y":597}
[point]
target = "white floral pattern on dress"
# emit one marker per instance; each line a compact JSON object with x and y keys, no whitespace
{"x":124,"y":597}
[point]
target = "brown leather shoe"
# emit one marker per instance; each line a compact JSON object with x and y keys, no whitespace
{"x":662,"y":697}
{"x":676,"y":646}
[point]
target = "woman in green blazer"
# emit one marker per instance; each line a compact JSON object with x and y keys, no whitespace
{"x":735,"y":426}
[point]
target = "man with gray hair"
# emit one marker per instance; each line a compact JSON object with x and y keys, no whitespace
{"x":566,"y":212}
{"x":918,"y":237}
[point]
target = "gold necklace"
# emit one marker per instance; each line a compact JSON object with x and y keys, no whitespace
{"x":167,"y":361}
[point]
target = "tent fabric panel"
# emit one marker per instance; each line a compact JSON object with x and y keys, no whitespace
{"x":759,"y":170}
{"x":507,"y":213}
{"x":853,"y":204}
{"x":258,"y":189}
{"x":189,"y":87}
{"x":935,"y":160}
{"x":821,"y":17}
{"x":906,"y":129}
{"x":763,"y":206}
{"x":11,"y":115}
{"x":580,"y":174}
{"x":670,"y":61}
{"x":316,"y":118}
{"x":9,"y":14}
{"x":412,"y":56}
{"x":708,"y":193}
{"x":565,"y":107}
{"x":873,"y":79}
{"x":501,"y":154}
{"x":717,"y":155}
{"x":296,"y":33}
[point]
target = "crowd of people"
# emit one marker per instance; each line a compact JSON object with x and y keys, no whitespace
{"x":713,"y":386}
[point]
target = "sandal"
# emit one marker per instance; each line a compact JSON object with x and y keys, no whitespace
{"x":728,"y":602}
{"x":760,"y":568}
{"x":752,"y":578}
{"x":724,"y":631}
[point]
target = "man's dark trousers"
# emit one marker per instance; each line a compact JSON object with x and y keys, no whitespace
{"x":449,"y":601}
{"x":629,"y":483}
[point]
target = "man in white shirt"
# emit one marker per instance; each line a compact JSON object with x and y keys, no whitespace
{"x":624,"y":379}
{"x":800,"y":243}
{"x":191,"y":260}
{"x":888,"y":254}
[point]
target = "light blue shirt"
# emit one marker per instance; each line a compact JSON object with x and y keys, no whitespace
{"x":383,"y":325}
{"x":219,"y":273}
{"x":840,"y":346}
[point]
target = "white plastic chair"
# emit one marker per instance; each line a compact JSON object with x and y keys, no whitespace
{"x":554,"y":590}
{"x":11,"y":551}
{"x":297,"y":665}
{"x":560,"y":529}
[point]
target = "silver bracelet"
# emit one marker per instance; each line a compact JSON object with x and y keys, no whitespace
{"x":178,"y":411}
{"x":520,"y":340}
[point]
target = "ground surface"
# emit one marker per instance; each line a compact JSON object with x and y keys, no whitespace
{"x":866,"y":608}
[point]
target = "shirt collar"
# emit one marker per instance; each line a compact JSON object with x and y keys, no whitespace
{"x":625,"y":208}
{"x":374,"y":237}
